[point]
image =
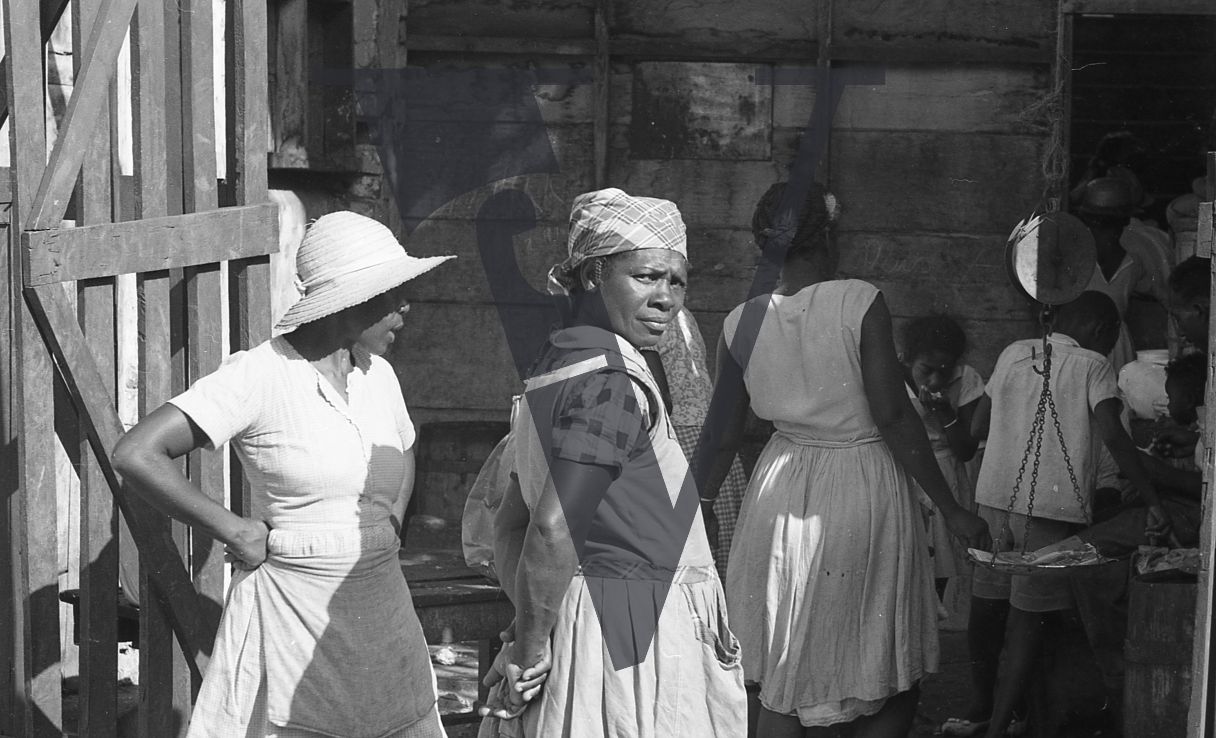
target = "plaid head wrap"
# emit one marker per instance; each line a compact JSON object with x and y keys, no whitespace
{"x":607,"y":222}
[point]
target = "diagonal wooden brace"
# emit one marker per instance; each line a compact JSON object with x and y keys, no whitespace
{"x":57,"y":322}
{"x":92,"y":88}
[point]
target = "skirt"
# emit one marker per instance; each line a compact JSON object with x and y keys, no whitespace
{"x":829,"y":582}
{"x":321,"y":639}
{"x":687,"y":682}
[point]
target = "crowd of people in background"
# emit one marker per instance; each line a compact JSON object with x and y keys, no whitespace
{"x":659,"y":589}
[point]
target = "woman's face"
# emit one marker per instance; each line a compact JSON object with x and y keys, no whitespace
{"x":931,"y":370}
{"x":640,"y":292}
{"x":377,"y":321}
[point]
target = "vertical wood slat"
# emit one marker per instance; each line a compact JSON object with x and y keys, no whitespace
{"x":291,"y":84}
{"x":1201,"y":720}
{"x":601,"y":87}
{"x":98,"y":612}
{"x":184,"y":684}
{"x":164,"y":675}
{"x":248,"y":120}
{"x":390,"y":57}
{"x":9,"y":622}
{"x":37,"y":670}
{"x":204,"y":289}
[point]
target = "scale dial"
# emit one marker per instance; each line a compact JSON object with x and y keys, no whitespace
{"x":1051,"y":257}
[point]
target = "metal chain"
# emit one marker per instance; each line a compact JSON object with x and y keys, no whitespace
{"x":1036,"y":432}
{"x":1072,"y":474}
{"x":1035,"y":440}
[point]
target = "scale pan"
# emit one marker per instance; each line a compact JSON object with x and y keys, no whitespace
{"x":1051,"y":257}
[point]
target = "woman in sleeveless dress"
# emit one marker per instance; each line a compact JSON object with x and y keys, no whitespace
{"x":829,"y":585}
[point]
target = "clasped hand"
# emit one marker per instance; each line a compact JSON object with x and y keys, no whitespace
{"x":247,"y":549}
{"x":512,"y":686}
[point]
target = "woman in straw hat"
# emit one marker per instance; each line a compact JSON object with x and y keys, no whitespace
{"x":601,"y":546}
{"x":319,"y":635}
{"x":829,"y":582}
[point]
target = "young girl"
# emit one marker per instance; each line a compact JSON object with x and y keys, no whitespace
{"x":944,"y":393}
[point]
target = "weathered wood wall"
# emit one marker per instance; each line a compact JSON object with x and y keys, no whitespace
{"x":933,"y":167}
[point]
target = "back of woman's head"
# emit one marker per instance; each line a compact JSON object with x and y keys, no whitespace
{"x":933,"y":333}
{"x":1191,"y":280}
{"x":806,"y":225}
{"x":1189,"y":373}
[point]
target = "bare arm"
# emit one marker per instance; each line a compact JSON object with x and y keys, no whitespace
{"x":510,"y":526}
{"x":981,"y":418}
{"x":548,"y":554}
{"x":397,"y":513}
{"x":901,"y":427}
{"x":723,"y":432}
{"x":145,"y":459}
{"x":1125,"y":453}
{"x":958,"y":433}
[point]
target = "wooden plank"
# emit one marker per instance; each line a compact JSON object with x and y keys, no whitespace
{"x":37,"y":540}
{"x":59,"y":329}
{"x":291,"y":85}
{"x":1203,"y":682}
{"x":199,"y":191}
{"x":9,"y":482}
{"x":164,"y":688}
{"x":489,"y":18}
{"x":36,"y":672}
{"x":940,"y":52}
{"x":164,"y":674}
{"x":50,"y":13}
{"x":965,"y":98}
{"x":173,"y":106}
{"x":1204,"y":233}
{"x":1151,"y":7}
{"x":523,"y":45}
{"x":247,"y":117}
{"x":935,"y":182}
{"x":601,"y":81}
{"x":153,"y":244}
{"x":76,"y":132}
{"x":98,"y":613}
{"x":97,"y":616}
{"x":993,"y":24}
{"x":203,"y":284}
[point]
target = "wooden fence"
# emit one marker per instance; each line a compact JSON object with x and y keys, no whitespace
{"x":197,"y":243}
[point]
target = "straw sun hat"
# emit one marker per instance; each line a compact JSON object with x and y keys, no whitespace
{"x":346,"y":259}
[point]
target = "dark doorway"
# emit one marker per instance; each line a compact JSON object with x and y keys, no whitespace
{"x":1154,"y":77}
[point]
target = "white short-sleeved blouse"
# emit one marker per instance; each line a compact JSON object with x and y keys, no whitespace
{"x":314,"y":461}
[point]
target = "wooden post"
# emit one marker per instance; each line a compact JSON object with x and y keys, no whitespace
{"x":291,"y":83}
{"x":204,"y":289}
{"x":98,"y":612}
{"x":165,"y":686}
{"x":601,"y":92}
{"x":248,"y":123}
{"x":36,"y":666}
{"x":1202,"y":720}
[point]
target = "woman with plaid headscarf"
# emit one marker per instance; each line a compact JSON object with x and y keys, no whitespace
{"x":601,"y":545}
